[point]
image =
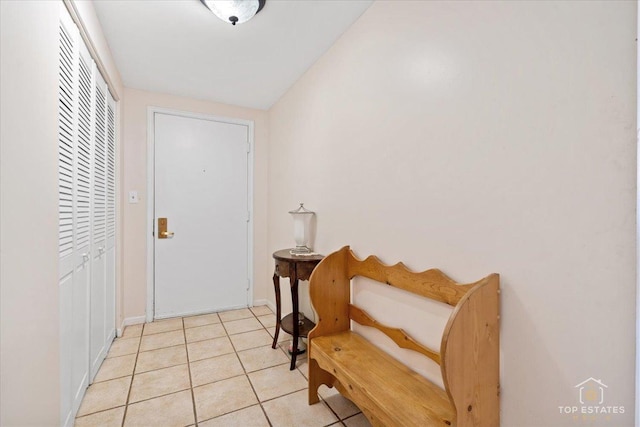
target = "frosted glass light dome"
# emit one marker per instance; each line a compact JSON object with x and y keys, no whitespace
{"x":234,"y":11}
{"x":301,"y":220}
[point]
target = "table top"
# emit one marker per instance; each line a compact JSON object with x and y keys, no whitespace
{"x":285,"y":255}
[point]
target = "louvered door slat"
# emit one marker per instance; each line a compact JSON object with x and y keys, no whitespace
{"x":111,"y":174}
{"x":83,"y":163}
{"x":99,"y":177}
{"x":65,"y":146}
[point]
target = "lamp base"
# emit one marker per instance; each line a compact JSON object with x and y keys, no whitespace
{"x":300,"y":250}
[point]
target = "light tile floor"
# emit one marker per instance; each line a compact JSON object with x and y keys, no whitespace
{"x":212,"y":370}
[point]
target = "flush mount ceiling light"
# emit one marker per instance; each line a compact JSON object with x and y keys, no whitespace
{"x":234,"y":11}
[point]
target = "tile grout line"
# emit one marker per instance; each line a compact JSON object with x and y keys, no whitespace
{"x":193,"y":397}
{"x":322,"y":399}
{"x":107,"y":380}
{"x":264,"y":411}
{"x":235,"y":351}
{"x":331,"y":409}
{"x":351,"y":416}
{"x":244,"y":369}
{"x":245,"y":372}
{"x":284,"y":364}
{"x":126,"y":404}
{"x":155,"y":397}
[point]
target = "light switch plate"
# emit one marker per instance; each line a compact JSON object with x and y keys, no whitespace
{"x":133,"y":196}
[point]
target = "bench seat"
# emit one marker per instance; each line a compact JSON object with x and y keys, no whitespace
{"x":385,"y":389}
{"x":390,"y":393}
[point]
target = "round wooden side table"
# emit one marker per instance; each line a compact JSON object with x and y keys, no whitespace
{"x":295,"y":267}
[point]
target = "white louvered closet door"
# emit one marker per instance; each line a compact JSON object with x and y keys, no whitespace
{"x":99,"y":230}
{"x":74,"y":140}
{"x":110,"y":261}
{"x":87,"y":206}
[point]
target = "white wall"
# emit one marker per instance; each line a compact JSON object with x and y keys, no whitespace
{"x":136,"y":103}
{"x":483,"y":137}
{"x":637,"y":372}
{"x":29,"y":317}
{"x":29,"y":320}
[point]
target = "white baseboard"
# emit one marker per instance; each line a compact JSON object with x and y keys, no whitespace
{"x":268,"y":303}
{"x":142,"y":319}
{"x":130,"y":321}
{"x":197,"y":313}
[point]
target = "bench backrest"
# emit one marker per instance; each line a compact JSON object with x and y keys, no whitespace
{"x":469,"y":350}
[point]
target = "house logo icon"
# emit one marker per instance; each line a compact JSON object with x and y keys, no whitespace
{"x":591,"y":397}
{"x":591,"y":391}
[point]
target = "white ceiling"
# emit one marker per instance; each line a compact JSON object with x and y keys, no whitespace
{"x":180,"y":47}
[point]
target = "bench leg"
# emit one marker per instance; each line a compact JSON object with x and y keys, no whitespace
{"x":317,"y":377}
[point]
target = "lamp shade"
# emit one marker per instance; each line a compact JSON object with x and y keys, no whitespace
{"x":301,"y":220}
{"x":234,"y":11}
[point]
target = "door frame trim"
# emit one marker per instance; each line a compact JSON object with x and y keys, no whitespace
{"x":150,"y":225}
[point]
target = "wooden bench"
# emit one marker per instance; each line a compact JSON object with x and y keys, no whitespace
{"x":388,"y":392}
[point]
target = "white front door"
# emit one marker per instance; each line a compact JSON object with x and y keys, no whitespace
{"x":201,"y":188}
